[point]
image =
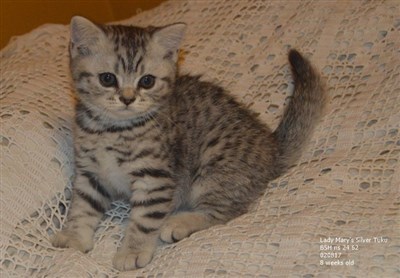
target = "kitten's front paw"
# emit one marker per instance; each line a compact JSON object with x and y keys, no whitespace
{"x":130,"y":259}
{"x":68,"y":239}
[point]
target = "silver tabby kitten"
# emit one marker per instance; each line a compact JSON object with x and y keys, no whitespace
{"x":183,"y":152}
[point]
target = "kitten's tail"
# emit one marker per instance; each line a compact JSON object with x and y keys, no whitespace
{"x":302,"y":113}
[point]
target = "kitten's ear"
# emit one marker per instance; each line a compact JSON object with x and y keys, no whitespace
{"x":170,"y":36}
{"x":84,"y":33}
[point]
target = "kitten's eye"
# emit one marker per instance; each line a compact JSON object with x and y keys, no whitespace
{"x":108,"y":79}
{"x":147,"y":81}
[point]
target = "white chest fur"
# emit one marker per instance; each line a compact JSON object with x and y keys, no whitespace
{"x":111,"y":174}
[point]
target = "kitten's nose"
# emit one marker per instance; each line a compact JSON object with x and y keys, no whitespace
{"x":127,"y":96}
{"x":127,"y":101}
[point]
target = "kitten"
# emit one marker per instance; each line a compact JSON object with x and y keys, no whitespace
{"x":183,"y":152}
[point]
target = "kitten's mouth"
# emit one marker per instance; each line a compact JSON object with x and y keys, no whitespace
{"x":126,"y":108}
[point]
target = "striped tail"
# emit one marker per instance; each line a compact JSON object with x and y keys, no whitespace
{"x":303,"y":112}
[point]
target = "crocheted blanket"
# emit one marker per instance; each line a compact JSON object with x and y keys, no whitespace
{"x":336,"y":213}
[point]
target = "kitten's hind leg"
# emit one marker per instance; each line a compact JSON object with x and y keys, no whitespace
{"x":183,"y":224}
{"x":213,"y":200}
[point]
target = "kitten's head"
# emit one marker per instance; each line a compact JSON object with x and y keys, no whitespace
{"x":123,"y":72}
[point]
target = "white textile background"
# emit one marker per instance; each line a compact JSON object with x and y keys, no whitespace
{"x":346,"y":184}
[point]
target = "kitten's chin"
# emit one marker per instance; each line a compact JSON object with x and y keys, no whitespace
{"x":130,"y":114}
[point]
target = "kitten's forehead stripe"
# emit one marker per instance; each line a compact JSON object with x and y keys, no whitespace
{"x":122,"y":62}
{"x":138,"y":63}
{"x":116,"y":67}
{"x":141,"y":69}
{"x":128,"y":41}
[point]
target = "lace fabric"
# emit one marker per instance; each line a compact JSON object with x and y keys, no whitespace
{"x":346,"y":185}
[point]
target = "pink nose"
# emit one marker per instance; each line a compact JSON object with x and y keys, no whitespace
{"x":126,"y":100}
{"x":127,"y":96}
